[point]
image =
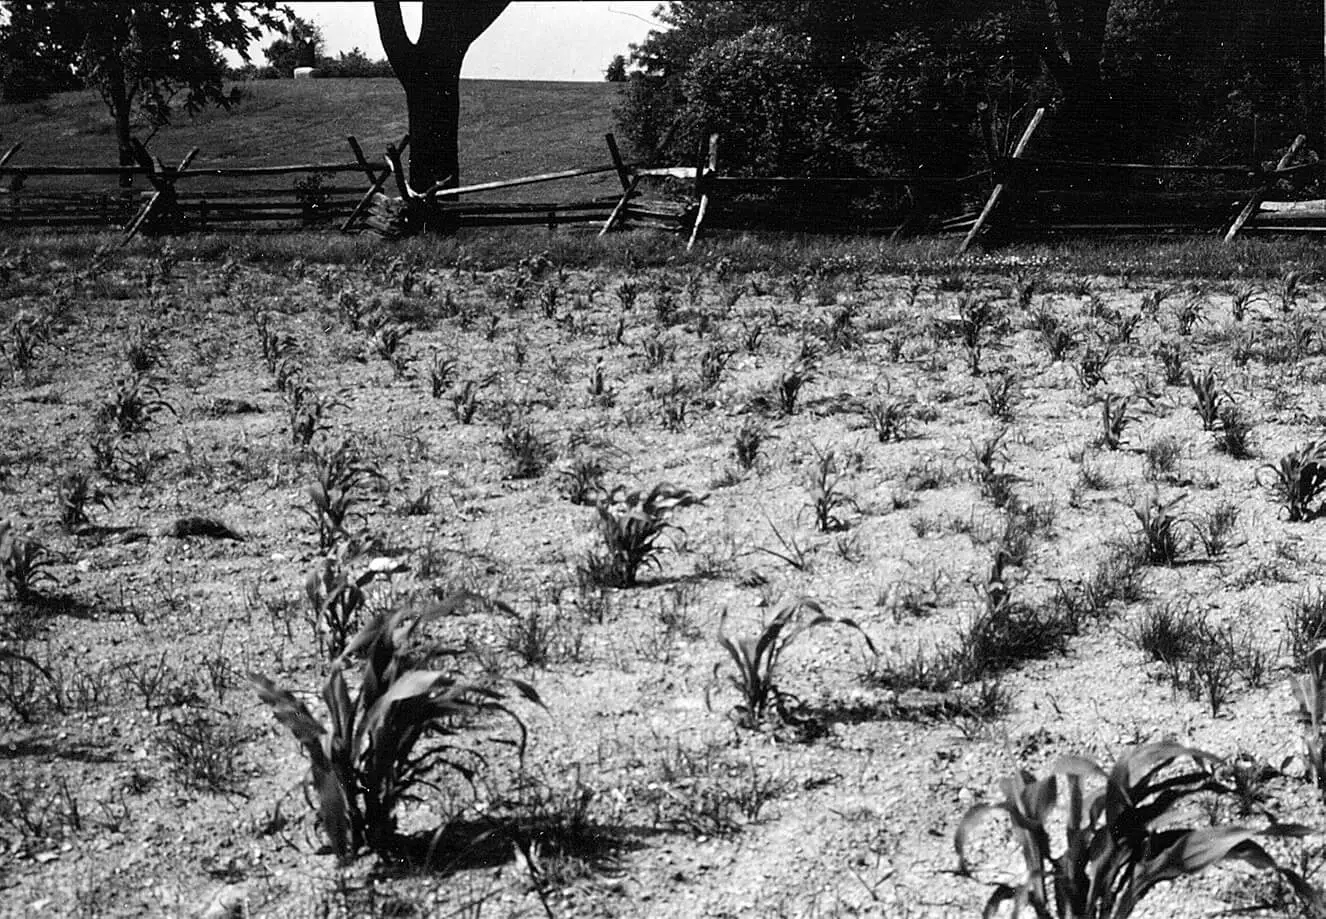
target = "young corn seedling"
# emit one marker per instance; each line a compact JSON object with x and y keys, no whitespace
{"x":441,"y":373}
{"x":1172,"y":356}
{"x":308,"y":410}
{"x":1160,"y":542}
{"x":1234,"y":432}
{"x":755,"y":660}
{"x":888,"y":415}
{"x":713,"y":361}
{"x":145,"y":350}
{"x":25,"y":563}
{"x":1245,"y":294}
{"x":336,"y":592}
{"x":976,"y":320}
{"x":76,"y":493}
{"x":582,"y":480}
{"x":367,"y":760}
{"x":1092,"y":364}
{"x":1298,"y":480}
{"x":465,"y":400}
{"x":1209,"y":397}
{"x":1287,"y":289}
{"x":631,"y":524}
{"x":988,"y":460}
{"x":791,"y":382}
{"x":1002,"y":393}
{"x":747,"y":445}
{"x":26,"y":335}
{"x":133,"y":405}
{"x":339,"y":476}
{"x":528,"y":454}
{"x":1191,"y":312}
{"x":1309,"y":690}
{"x":826,"y":498}
{"x":1055,"y":334}
{"x":1121,"y":838}
{"x":1114,"y":418}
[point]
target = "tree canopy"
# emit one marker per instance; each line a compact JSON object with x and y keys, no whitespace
{"x":145,"y":59}
{"x":848,"y":84}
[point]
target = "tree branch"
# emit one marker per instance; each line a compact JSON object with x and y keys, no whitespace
{"x":458,"y":24}
{"x":395,"y":42}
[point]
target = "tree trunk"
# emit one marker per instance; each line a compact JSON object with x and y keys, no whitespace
{"x":121,"y":105}
{"x":429,"y":71}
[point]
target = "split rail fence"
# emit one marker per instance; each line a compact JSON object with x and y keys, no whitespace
{"x":1019,"y":196}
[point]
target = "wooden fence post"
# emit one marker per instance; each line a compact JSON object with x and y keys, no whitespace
{"x":704,"y":169}
{"x":623,"y":174}
{"x":162,"y":177}
{"x":1002,"y":187}
{"x":1255,"y":201}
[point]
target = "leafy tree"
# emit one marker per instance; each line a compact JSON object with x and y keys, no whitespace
{"x":301,"y":46}
{"x":429,"y":70}
{"x":142,"y":58}
{"x":616,"y":72}
{"x":33,"y":63}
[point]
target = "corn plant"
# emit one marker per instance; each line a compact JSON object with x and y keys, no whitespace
{"x":1309,"y":690}
{"x":25,"y":563}
{"x":307,"y":410}
{"x":988,"y":460}
{"x":1114,"y":418}
{"x":1002,"y":393}
{"x":441,"y":372}
{"x":748,"y":443}
{"x":1121,"y":838}
{"x":1092,"y":364}
{"x":888,"y":415}
{"x":1160,"y":542}
{"x":1298,"y":480}
{"x":1171,"y":355}
{"x":527,"y":452}
{"x":791,"y":382}
{"x":26,"y":335}
{"x":1209,"y":397}
{"x":582,"y":480}
{"x":133,"y":405}
{"x":145,"y":350}
{"x":76,"y":492}
{"x":826,"y":498}
{"x":368,"y":759}
{"x":1191,"y":312}
{"x":1287,"y":289}
{"x":976,"y":320}
{"x":631,"y":524}
{"x":755,"y":660}
{"x":336,"y":593}
{"x":713,"y":361}
{"x":465,"y":399}
{"x":1055,"y":334}
{"x":1234,"y":431}
{"x":1245,"y":294}
{"x":339,"y":475}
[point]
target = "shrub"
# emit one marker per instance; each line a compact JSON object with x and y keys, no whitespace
{"x":363,"y":764}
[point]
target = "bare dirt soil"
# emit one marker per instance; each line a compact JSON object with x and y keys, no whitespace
{"x":141,"y":775}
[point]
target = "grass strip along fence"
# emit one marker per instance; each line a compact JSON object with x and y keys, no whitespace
{"x":1018,"y":197}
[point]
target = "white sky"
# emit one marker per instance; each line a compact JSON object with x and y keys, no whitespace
{"x":541,"y":40}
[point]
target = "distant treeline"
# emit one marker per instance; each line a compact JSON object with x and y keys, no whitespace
{"x":352,"y":63}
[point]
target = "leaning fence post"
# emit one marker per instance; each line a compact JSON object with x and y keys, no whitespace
{"x":1002,"y":187}
{"x":1255,"y":201}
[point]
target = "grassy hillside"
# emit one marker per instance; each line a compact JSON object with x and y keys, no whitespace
{"x":508,"y":128}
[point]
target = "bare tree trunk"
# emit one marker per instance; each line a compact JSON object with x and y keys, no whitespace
{"x":429,"y":71}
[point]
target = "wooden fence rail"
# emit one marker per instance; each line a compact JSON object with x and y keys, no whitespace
{"x":1024,"y":195}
